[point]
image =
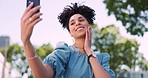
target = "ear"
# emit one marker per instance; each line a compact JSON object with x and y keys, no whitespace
{"x":71,"y":35}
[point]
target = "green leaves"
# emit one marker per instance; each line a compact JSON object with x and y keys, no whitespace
{"x":132,"y":13}
{"x":123,"y":51}
{"x":44,"y":50}
{"x":17,"y":58}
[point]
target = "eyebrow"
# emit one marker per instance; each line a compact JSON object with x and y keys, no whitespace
{"x":78,"y":18}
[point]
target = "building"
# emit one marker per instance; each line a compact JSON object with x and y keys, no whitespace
{"x":4,"y":41}
{"x":4,"y":66}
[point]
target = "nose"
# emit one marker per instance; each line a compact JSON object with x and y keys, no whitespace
{"x":77,"y":23}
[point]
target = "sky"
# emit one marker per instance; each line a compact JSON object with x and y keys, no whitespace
{"x":49,"y":29}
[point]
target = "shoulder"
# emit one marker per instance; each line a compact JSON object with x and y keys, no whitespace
{"x":61,"y":44}
{"x":59,"y":58}
{"x":61,"y":53}
{"x":62,"y":49}
{"x":103,"y":57}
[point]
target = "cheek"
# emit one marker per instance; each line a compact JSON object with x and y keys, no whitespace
{"x":71,"y":30}
{"x":87,"y":25}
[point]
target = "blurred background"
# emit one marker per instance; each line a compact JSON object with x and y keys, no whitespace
{"x":120,"y":29}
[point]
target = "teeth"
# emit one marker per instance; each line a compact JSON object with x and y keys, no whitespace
{"x":80,"y":29}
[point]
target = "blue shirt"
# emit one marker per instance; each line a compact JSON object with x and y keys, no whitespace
{"x":68,"y":62}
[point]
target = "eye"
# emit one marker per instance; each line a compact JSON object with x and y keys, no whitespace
{"x":81,"y":20}
{"x":72,"y":23}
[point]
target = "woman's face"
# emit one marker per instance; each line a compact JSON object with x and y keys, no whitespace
{"x":78,"y":25}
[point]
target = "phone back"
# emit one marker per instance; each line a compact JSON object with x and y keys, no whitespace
{"x":36,"y":2}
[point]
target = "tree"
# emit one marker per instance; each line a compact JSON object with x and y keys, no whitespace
{"x":17,"y":58}
{"x":123,"y":51}
{"x":44,"y":50}
{"x":132,"y":13}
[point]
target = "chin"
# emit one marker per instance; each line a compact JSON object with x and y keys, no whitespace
{"x":81,"y":35}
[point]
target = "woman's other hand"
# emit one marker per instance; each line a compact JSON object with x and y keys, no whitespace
{"x":87,"y":45}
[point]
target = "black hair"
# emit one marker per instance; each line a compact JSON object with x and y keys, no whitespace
{"x":68,"y":11}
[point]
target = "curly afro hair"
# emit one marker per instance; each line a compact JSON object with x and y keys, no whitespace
{"x":68,"y":11}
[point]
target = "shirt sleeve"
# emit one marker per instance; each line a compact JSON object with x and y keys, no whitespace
{"x":104,"y":59}
{"x":58,"y":59}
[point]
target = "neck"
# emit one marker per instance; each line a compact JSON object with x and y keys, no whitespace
{"x":79,"y":44}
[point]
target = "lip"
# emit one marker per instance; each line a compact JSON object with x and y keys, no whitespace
{"x":79,"y":27}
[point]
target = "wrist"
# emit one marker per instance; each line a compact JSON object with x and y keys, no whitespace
{"x":92,"y":55}
{"x":31,"y":58}
{"x":89,"y":52}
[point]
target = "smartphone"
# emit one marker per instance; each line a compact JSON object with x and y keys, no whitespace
{"x":36,"y":3}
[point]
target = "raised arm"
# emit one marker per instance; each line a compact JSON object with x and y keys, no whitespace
{"x":29,"y":19}
{"x":98,"y":70}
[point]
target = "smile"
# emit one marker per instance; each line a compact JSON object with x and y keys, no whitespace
{"x":80,"y":28}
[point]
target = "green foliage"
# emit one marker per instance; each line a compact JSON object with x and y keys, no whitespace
{"x":123,"y":51}
{"x":17,"y":58}
{"x":44,"y":50}
{"x":132,"y":13}
{"x":12,"y":49}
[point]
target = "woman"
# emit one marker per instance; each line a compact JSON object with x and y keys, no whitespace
{"x":74,"y":61}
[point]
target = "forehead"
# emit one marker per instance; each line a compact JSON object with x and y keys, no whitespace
{"x":76,"y":16}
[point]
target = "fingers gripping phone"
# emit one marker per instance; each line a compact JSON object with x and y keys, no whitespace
{"x":36,"y":3}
